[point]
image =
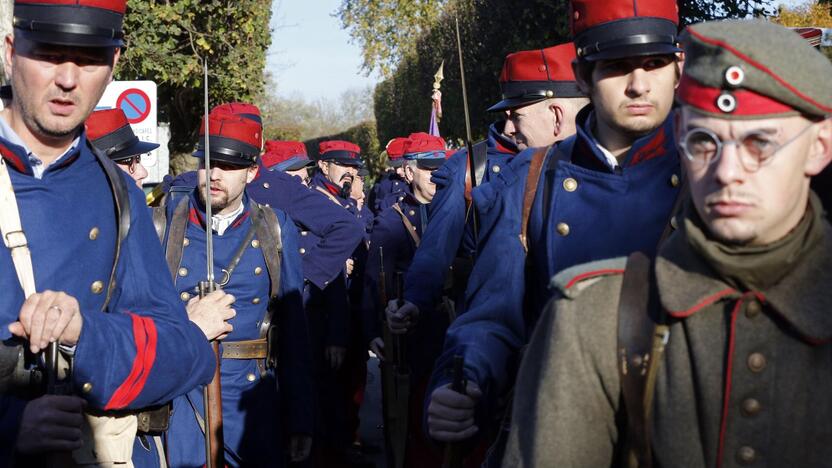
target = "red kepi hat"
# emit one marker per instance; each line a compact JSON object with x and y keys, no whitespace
{"x":395,"y":151}
{"x":234,"y":140}
{"x":285,"y":156}
{"x":427,"y":150}
{"x":531,"y":76}
{"x":109,"y":132}
{"x":79,"y":23}
{"x":340,"y":152}
{"x":611,"y":29}
{"x":240,"y":109}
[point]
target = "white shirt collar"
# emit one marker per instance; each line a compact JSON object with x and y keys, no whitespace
{"x":38,"y":168}
{"x":220,"y":223}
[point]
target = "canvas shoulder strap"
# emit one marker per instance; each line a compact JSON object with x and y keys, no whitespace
{"x":530,"y":192}
{"x":121,"y":198}
{"x":13,"y":236}
{"x":480,"y":153}
{"x":175,"y":246}
{"x":267,"y":229}
{"x":642,"y":336}
{"x":408,"y":226}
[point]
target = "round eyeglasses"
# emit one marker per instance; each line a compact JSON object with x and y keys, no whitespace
{"x":755,"y":149}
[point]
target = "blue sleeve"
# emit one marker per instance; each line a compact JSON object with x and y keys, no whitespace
{"x":145,"y":351}
{"x":11,"y":412}
{"x":490,"y":333}
{"x":425,"y":279}
{"x":295,"y":358}
{"x":339,"y":232}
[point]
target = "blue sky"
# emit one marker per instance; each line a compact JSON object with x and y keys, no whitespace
{"x":310,"y":54}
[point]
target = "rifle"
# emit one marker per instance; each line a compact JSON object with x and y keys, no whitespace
{"x":212,"y":393}
{"x":395,"y":385}
{"x":453,"y":451}
{"x":469,"y":145}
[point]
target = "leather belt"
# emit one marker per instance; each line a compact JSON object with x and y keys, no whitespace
{"x":247,"y":349}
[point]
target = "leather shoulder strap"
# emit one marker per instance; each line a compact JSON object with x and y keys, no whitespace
{"x":267,"y":229}
{"x":480,"y":153}
{"x":175,"y":245}
{"x":408,"y":226}
{"x":13,"y":236}
{"x":530,"y":191}
{"x":330,"y":196}
{"x":160,"y":221}
{"x":121,"y":198}
{"x":642,"y":336}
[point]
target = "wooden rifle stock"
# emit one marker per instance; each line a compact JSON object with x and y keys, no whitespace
{"x":212,"y":402}
{"x":454,"y":451}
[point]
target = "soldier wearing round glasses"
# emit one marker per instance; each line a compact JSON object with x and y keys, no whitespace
{"x":736,"y":304}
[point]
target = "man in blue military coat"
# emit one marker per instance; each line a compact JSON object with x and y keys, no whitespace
{"x":258,"y":264}
{"x":397,"y":233}
{"x":540,"y":100}
{"x":392,"y":180}
{"x":143,"y":351}
{"x":606,"y":192}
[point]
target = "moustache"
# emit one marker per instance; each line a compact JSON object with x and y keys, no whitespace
{"x":731,"y":196}
{"x":639,"y":102}
{"x":62,"y":96}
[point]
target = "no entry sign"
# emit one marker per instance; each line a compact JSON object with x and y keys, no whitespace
{"x":136,"y":105}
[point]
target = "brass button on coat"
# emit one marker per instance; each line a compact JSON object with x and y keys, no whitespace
{"x":94,"y":233}
{"x":255,"y":244}
{"x":495,"y":169}
{"x":251,"y":377}
{"x":746,"y":455}
{"x":302,"y":251}
{"x":753,"y":309}
{"x":256,"y":300}
{"x":185,"y":297}
{"x":258,"y":271}
{"x":756,"y":362}
{"x":183,"y":272}
{"x":411,"y":213}
{"x":570,"y":184}
{"x":563,"y":229}
{"x":674,"y":180}
{"x":673,"y":223}
{"x":186,"y":242}
{"x":266,"y":185}
{"x":751,"y":407}
{"x":86,"y":388}
{"x":97,"y":287}
{"x":304,"y":233}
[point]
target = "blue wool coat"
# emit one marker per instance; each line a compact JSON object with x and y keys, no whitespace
{"x":449,"y":233}
{"x":253,"y":420}
{"x":390,"y":183}
{"x":609,"y":213}
{"x":142,"y":350}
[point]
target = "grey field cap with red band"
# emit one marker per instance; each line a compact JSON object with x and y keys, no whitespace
{"x":616,"y":29}
{"x":78,"y":23}
{"x":732,"y":71}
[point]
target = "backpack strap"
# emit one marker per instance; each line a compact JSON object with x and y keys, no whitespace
{"x":175,"y":245}
{"x":121,"y":198}
{"x":408,"y":226}
{"x":530,"y":191}
{"x":642,"y":336}
{"x":267,"y":229}
{"x":480,"y":153}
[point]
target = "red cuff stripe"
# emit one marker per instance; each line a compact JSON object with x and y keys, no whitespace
{"x":144,"y":334}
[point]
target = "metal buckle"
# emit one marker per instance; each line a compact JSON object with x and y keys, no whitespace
{"x":10,"y":237}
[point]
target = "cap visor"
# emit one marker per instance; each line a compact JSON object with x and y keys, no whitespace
{"x":134,"y":150}
{"x":224,"y":158}
{"x":430,"y":163}
{"x":300,"y":165}
{"x":640,"y":50}
{"x":395,"y":162}
{"x":513,"y":103}
{"x":347,"y":162}
{"x":75,"y":40}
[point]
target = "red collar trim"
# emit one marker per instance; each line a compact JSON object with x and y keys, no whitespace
{"x":592,"y":274}
{"x":702,"y":304}
{"x":14,"y":159}
{"x":653,"y":149}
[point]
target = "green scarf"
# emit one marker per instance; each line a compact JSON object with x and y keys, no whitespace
{"x":756,"y":268}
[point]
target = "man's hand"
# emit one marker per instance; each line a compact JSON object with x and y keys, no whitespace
{"x":350,"y":266}
{"x":211,"y":314}
{"x":377,"y":347}
{"x":451,"y":414}
{"x":300,"y":445}
{"x":47,"y":317}
{"x":51,"y":423}
{"x":401,"y":320}
{"x":335,"y":356}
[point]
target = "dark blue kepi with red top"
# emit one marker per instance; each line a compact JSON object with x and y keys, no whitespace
{"x":82,"y":23}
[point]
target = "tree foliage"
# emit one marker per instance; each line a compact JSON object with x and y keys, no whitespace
{"x":166,"y":41}
{"x":490,"y":29}
{"x":384,"y":29}
{"x":816,"y":14}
